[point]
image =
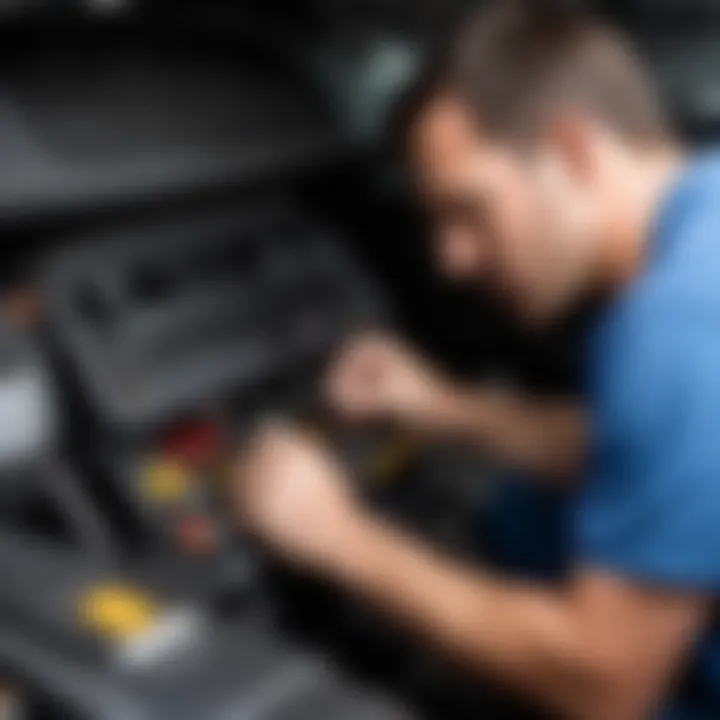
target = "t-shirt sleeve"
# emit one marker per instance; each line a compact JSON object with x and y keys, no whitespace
{"x":650,"y":506}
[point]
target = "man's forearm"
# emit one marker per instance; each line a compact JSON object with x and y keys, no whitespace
{"x":529,"y":638}
{"x":546,"y":437}
{"x":604,"y":645}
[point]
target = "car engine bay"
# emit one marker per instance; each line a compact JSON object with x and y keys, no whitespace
{"x":198,"y":209}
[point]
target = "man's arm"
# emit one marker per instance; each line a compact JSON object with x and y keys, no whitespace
{"x":543,"y":436}
{"x":379,"y":378}
{"x":598,"y":648}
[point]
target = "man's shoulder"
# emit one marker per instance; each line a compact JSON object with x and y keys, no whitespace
{"x":686,"y":233}
{"x":676,"y":299}
{"x":654,"y":343}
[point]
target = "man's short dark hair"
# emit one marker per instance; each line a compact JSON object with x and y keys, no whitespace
{"x":515,"y":60}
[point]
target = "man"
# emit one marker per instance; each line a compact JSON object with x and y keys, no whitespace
{"x":547,"y":166}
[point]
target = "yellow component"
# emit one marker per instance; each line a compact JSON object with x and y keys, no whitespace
{"x":389,"y":462}
{"x":392,"y":460}
{"x":117,"y":612}
{"x":165,"y":481}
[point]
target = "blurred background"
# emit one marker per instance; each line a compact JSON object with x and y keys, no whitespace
{"x":198,"y":201}
{"x":128,"y":106}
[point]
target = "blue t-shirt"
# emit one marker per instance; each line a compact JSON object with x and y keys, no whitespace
{"x":649,"y":509}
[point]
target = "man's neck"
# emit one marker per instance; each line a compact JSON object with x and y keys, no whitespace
{"x":637,"y":199}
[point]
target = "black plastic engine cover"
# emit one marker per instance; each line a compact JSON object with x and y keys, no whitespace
{"x":156,"y":321}
{"x":194,"y":667}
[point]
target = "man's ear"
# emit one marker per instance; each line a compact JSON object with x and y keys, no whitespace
{"x":575,"y":137}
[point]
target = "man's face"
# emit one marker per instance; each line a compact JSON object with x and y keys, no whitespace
{"x":519,"y":222}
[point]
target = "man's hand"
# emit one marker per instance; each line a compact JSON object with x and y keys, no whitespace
{"x":377,"y":378}
{"x":293,"y":496}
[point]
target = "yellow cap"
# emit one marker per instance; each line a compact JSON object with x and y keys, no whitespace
{"x":117,"y":612}
{"x":165,"y":481}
